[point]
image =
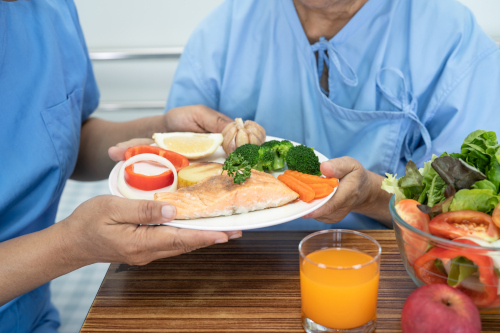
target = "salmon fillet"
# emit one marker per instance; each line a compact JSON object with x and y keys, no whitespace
{"x":220,"y":196}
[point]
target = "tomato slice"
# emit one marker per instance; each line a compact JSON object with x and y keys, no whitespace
{"x":496,"y":215}
{"x":414,"y":245}
{"x":464,"y":223}
{"x":150,"y":183}
{"x":427,"y":272}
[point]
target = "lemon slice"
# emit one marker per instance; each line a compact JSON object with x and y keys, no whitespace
{"x":191,"y":145}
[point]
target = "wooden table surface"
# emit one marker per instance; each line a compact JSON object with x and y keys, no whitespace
{"x":248,"y":285}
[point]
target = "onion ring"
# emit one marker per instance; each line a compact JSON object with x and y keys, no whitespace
{"x":129,"y":193}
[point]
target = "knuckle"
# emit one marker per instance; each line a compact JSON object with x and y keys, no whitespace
{"x":146,"y":211}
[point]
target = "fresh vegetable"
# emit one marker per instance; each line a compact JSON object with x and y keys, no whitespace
{"x":239,"y":133}
{"x":306,"y":193}
{"x":496,"y":215}
{"x":321,"y":190}
{"x":303,"y":159}
{"x":414,"y":245}
{"x":196,"y":172}
{"x":270,"y":156}
{"x":150,"y":183}
{"x":237,"y":167}
{"x":128,"y":192}
{"x":427,"y":272}
{"x":313,"y":179}
{"x":279,"y":150}
{"x":464,"y":223}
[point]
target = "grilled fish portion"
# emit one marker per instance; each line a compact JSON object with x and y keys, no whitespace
{"x":220,"y":196}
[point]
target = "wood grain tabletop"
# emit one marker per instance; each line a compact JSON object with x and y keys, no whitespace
{"x":248,"y":285}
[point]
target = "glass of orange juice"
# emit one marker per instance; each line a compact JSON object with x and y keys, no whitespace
{"x":339,"y":274}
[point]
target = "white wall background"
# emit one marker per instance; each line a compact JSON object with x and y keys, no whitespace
{"x":128,"y":24}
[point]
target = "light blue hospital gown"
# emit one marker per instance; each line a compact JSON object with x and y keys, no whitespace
{"x":407,"y":79}
{"x":47,"y":89}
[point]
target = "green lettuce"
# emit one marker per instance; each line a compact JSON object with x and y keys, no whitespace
{"x":460,"y":269}
{"x":483,"y":200}
{"x":478,"y":148}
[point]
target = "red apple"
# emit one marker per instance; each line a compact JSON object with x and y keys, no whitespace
{"x":439,"y":308}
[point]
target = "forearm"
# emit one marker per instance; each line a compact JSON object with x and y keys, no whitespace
{"x":97,"y":135}
{"x":377,"y":204}
{"x":32,"y":260}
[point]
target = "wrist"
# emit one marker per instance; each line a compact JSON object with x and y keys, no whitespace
{"x":376,"y":202}
{"x":71,"y":246}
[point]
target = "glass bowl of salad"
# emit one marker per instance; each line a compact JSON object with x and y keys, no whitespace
{"x":466,"y":263}
{"x":446,"y":219}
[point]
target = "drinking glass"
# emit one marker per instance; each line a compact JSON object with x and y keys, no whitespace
{"x":339,"y":274}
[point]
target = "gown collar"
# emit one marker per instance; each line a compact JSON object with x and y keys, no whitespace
{"x":366,"y":14}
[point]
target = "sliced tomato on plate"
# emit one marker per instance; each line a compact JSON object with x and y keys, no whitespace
{"x":155,"y":182}
{"x":414,"y":245}
{"x":464,"y":223}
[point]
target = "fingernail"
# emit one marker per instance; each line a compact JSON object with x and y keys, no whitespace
{"x":238,"y":235}
{"x":220,"y":241}
{"x":168,"y":212}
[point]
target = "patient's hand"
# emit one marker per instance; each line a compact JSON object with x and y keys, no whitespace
{"x":195,"y":118}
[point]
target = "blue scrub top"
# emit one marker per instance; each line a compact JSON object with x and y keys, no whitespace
{"x":47,"y":89}
{"x":406,"y":78}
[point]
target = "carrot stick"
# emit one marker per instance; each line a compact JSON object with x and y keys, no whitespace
{"x":311,"y":179}
{"x":306,"y":193}
{"x":321,"y":190}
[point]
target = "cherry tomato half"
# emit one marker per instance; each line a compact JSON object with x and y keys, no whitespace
{"x":415,"y":245}
{"x":464,"y":223}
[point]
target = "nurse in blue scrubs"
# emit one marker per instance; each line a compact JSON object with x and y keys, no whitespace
{"x":47,"y":93}
{"x":371,"y":84}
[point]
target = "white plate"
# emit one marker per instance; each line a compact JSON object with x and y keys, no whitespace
{"x":251,"y":220}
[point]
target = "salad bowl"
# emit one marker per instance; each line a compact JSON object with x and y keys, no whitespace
{"x":465,"y":263}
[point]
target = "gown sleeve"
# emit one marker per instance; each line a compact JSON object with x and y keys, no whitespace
{"x":199,"y":74}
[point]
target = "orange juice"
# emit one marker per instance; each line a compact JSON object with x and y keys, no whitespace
{"x":335,"y":297}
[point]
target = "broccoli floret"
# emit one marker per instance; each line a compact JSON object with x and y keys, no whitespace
{"x":249,"y":152}
{"x":266,"y":158}
{"x":237,"y":168}
{"x":303,"y":159}
{"x":241,"y":161}
{"x":279,"y":150}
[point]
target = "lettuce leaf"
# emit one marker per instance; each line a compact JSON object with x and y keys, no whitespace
{"x":460,"y":269}
{"x":390,"y":184}
{"x":483,"y":200}
{"x":478,"y":148}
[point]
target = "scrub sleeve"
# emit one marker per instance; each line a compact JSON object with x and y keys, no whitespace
{"x":47,"y":89}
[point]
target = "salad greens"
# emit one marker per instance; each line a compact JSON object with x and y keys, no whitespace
{"x":468,"y":180}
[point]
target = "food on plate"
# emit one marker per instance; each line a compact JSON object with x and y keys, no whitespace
{"x":128,"y":192}
{"x":196,"y":172}
{"x":313,"y":179}
{"x":306,"y":193}
{"x":459,"y":194}
{"x":270,"y":156}
{"x":303,"y":159}
{"x":438,"y":308}
{"x":239,"y":133}
{"x":220,"y":196}
{"x":414,"y":245}
{"x":273,"y":154}
{"x":154,"y":181}
{"x":321,"y":190}
{"x":191,"y":145}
